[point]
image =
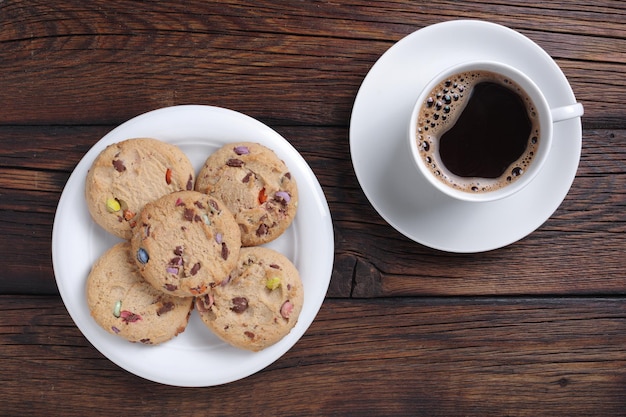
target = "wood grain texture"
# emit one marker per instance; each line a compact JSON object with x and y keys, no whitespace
{"x":537,"y":328}
{"x":437,"y":357}
{"x":106,"y":62}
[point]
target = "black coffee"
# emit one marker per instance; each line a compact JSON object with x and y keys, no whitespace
{"x":477,"y":131}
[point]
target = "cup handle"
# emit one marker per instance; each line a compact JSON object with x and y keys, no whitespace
{"x":567,"y":112}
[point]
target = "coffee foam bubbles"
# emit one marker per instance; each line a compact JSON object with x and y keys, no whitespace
{"x":441,"y":110}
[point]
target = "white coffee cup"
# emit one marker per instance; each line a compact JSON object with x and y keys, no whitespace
{"x":476,"y":189}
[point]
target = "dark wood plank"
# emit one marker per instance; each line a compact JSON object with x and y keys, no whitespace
{"x":108,"y":63}
{"x":48,"y":148}
{"x":437,"y":357}
{"x":536,"y":328}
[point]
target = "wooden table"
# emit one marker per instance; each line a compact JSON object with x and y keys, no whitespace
{"x":534,"y":328}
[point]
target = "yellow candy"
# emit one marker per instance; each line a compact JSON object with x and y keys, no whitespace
{"x":117,"y":309}
{"x":273,"y":283}
{"x":113,"y":205}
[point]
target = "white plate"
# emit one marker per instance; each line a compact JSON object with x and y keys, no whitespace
{"x":195,"y":357}
{"x":380,"y":156}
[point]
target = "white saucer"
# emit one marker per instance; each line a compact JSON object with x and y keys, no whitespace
{"x":196,"y":357}
{"x":380,"y":155}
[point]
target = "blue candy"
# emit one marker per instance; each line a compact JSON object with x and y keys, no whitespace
{"x":142,"y":256}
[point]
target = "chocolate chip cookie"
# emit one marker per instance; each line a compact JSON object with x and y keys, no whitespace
{"x":127,"y":175}
{"x":256,"y":186}
{"x":258,"y":304}
{"x":185,"y":242}
{"x":124,"y":304}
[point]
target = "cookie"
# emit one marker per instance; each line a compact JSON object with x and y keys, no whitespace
{"x":124,"y":304}
{"x":258,"y":304}
{"x":185,"y":242}
{"x":127,"y":175}
{"x":255,"y":185}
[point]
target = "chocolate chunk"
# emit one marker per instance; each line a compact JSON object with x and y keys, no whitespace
{"x":204,"y":303}
{"x":188,"y":214}
{"x":119,"y":165}
{"x":167,"y":306}
{"x":235,"y":163}
{"x":262,"y":230}
{"x":240,"y":304}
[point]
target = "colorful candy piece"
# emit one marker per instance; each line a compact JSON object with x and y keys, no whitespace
{"x":273,"y":283}
{"x":113,"y":205}
{"x":142,"y":256}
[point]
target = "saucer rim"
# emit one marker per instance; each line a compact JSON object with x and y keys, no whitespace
{"x":563,"y":95}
